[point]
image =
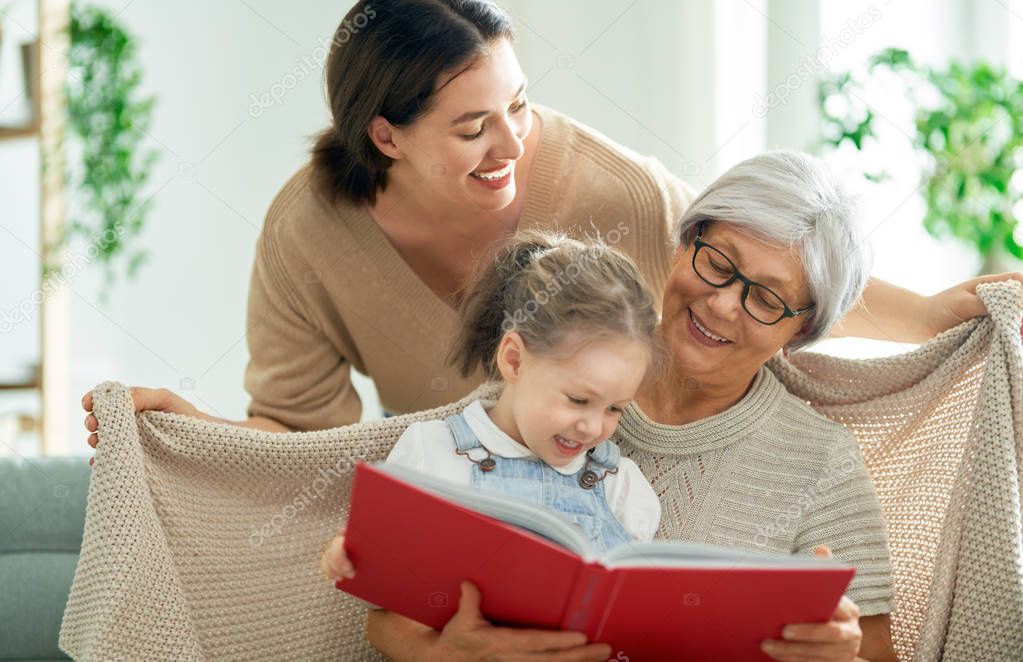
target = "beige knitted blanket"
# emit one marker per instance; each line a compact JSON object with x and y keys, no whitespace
{"x":202,"y":540}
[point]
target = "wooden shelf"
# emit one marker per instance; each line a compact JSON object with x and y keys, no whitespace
{"x":46,"y":125}
{"x":20,"y":386}
{"x":13,"y":133}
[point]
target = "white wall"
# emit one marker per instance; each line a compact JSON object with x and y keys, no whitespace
{"x":641,"y":72}
{"x":181,"y":324}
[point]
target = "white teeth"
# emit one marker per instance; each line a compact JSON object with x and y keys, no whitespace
{"x":704,"y":331}
{"x":568,"y":443}
{"x":495,"y":174}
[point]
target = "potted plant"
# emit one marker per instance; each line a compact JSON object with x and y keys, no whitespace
{"x":968,"y":127}
{"x":107,"y":120}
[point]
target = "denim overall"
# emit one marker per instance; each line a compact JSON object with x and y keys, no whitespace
{"x":579,"y":496}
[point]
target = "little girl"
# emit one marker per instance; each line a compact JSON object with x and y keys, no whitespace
{"x":567,"y":327}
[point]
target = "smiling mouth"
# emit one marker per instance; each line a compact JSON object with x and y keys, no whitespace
{"x":568,"y":443}
{"x":494,"y":175}
{"x":707,"y":332}
{"x":567,"y":446}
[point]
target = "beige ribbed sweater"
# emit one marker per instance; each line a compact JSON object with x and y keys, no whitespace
{"x":329,"y":292}
{"x":202,"y":540}
{"x":769,"y":474}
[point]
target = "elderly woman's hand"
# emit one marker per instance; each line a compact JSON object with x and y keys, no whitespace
{"x":838,"y":639}
{"x":955,"y":305}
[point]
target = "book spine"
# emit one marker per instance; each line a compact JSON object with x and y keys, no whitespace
{"x":588,"y":602}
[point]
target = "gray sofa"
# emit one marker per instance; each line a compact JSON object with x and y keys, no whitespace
{"x":42,"y":515}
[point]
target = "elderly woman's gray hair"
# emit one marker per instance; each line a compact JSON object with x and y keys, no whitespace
{"x":792,"y":199}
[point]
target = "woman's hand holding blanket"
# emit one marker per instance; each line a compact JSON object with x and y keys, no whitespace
{"x":955,"y":305}
{"x":159,"y":399}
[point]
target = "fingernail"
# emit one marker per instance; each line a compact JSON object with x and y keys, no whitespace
{"x":767,"y":646}
{"x":787,"y":633}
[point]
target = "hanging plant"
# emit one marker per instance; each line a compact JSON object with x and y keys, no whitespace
{"x":107,"y":123}
{"x":968,"y":128}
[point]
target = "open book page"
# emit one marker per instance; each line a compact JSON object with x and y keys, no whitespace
{"x":667,"y":553}
{"x":545,"y":522}
{"x":560,"y":530}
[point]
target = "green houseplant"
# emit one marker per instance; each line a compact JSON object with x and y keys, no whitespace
{"x":109,"y":164}
{"x":969,"y":131}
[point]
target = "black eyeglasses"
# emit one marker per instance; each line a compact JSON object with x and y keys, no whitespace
{"x":759,"y":301}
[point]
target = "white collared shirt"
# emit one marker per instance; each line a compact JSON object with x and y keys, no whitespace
{"x":429,"y":446}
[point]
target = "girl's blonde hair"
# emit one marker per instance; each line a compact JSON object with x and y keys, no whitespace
{"x":546,"y":286}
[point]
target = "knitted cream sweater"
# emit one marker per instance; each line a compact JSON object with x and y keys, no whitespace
{"x":770,"y":474}
{"x":202,"y":540}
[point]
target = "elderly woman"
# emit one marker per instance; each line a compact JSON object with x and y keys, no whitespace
{"x":766,"y":260}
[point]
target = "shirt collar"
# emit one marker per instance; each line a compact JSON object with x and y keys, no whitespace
{"x":495,"y":440}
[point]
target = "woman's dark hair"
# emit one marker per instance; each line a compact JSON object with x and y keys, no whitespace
{"x":386,"y":59}
{"x":548,"y":287}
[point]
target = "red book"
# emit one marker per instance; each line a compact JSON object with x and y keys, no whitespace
{"x":412,"y":538}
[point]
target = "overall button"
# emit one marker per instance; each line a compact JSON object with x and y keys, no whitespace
{"x":588,"y":479}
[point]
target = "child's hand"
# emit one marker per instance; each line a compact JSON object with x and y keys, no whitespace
{"x":334,"y":563}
